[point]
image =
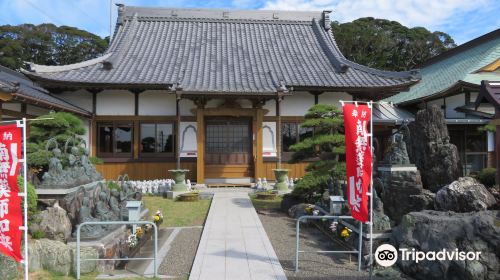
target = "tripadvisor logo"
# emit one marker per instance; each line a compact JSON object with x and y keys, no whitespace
{"x":387,"y":255}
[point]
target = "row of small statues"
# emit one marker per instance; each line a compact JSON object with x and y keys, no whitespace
{"x":110,"y":207}
{"x":262,"y":183}
{"x":158,"y":186}
{"x":79,"y":171}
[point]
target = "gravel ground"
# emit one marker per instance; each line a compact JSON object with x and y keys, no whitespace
{"x":181,"y":256}
{"x":281,"y":231}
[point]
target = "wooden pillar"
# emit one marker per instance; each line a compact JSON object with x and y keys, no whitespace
{"x":259,"y":160}
{"x":200,"y":139}
{"x":278,"y":130}
{"x":178,"y":130}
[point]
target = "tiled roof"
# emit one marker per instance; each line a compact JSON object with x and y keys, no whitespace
{"x":459,"y":66}
{"x":23,"y":88}
{"x":224,"y":51}
{"x":386,"y":113}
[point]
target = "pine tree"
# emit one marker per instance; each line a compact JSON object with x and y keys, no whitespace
{"x":326,"y":149}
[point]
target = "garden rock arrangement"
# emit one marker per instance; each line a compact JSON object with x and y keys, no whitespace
{"x":464,"y":195}
{"x":403,"y":192}
{"x":434,"y":230}
{"x":436,"y":158}
{"x":53,"y":222}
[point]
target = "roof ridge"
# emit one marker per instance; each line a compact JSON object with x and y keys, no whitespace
{"x":38,"y":68}
{"x":218,"y":13}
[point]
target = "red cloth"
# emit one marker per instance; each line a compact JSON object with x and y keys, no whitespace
{"x":358,"y":158}
{"x":11,"y":216}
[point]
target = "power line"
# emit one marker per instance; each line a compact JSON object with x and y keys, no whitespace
{"x":42,"y":12}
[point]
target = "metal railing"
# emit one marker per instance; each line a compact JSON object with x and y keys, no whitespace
{"x":297,"y":237}
{"x":155,"y":252}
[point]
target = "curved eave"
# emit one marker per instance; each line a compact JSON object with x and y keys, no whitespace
{"x":443,"y":93}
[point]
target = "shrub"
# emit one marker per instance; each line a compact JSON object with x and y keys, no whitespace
{"x":113,"y":185}
{"x":32,"y":196}
{"x":311,"y":187}
{"x":487,"y":177}
{"x":37,"y":234}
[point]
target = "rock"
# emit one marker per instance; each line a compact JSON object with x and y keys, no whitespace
{"x":8,"y":268}
{"x":434,"y":231}
{"x":380,"y":221}
{"x":85,"y":253}
{"x":436,"y":158}
{"x":464,"y":195}
{"x":54,"y":222}
{"x":288,"y":201}
{"x":402,"y":192}
{"x":50,"y":255}
{"x":298,"y":210}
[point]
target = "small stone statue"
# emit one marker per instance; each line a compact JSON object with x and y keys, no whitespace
{"x":85,"y":215}
{"x":398,"y":155}
{"x":114,"y":203}
{"x":103,"y":211}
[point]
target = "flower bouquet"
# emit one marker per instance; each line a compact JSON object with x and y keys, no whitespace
{"x":158,"y":218}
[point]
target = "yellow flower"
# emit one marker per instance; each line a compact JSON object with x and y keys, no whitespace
{"x":157,"y":218}
{"x":344,"y":233}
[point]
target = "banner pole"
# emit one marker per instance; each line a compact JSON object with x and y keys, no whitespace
{"x":25,"y":182}
{"x":371,"y":190}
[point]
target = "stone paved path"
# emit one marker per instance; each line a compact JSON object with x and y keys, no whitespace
{"x":234,"y":244}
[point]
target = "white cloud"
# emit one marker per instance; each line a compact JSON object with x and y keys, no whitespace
{"x":431,"y":14}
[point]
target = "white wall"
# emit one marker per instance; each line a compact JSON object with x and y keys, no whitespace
{"x":115,"y":103}
{"x":156,"y":103}
{"x":334,"y":98}
{"x":271,"y":107}
{"x":186,"y":106}
{"x":269,"y":139}
{"x":36,"y":111}
{"x":453,"y":102}
{"x":12,"y":106}
{"x":189,"y":145}
{"x":296,"y":104}
{"x":80,"y":98}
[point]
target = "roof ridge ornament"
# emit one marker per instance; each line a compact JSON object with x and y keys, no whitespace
{"x":327,"y":24}
{"x":282,"y":87}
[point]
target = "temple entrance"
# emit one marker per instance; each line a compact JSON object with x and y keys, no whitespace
{"x":228,"y":148}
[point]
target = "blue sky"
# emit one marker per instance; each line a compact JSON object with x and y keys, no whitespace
{"x":462,"y":19}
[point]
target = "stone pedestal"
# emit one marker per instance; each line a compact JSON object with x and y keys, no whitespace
{"x":281,"y":175}
{"x":179,"y":176}
{"x":401,"y":190}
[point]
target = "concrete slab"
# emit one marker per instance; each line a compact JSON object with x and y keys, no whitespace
{"x":234,"y":244}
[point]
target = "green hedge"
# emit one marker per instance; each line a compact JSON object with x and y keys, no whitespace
{"x":487,"y":177}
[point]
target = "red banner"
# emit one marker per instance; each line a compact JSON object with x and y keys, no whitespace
{"x":11,"y":216}
{"x":358,"y":158}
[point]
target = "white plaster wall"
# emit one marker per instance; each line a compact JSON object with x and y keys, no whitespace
{"x":473,"y":96}
{"x":334,"y":98}
{"x":12,"y":106}
{"x":271,"y":107}
{"x":296,"y":104}
{"x":245,"y":103}
{"x":269,"y":139}
{"x":453,"y":102}
{"x":36,"y":111}
{"x":86,"y":136}
{"x":186,"y":106}
{"x":115,"y":103}
{"x":80,"y":98}
{"x":438,"y":102}
{"x":189,"y":145}
{"x":491,"y":141}
{"x":214,"y":103}
{"x":156,"y":103}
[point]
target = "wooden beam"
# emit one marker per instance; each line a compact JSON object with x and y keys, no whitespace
{"x":7,"y":112}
